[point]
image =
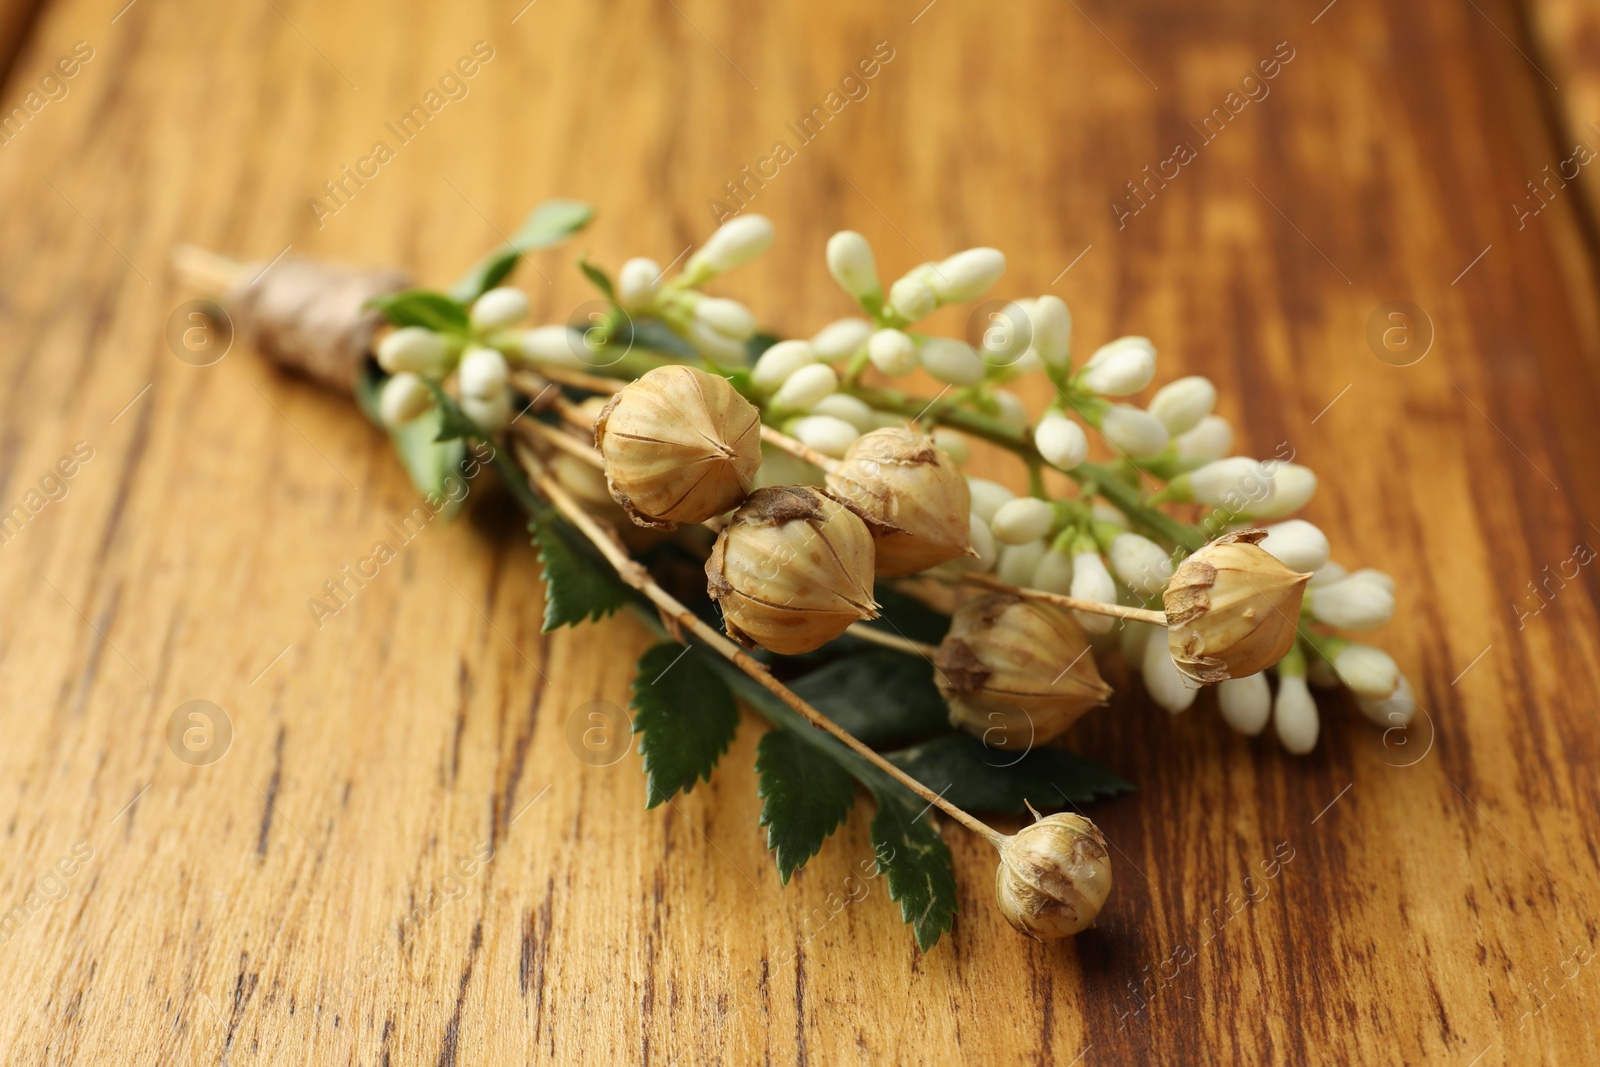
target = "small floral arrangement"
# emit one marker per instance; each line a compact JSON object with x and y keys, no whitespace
{"x":905,"y":628}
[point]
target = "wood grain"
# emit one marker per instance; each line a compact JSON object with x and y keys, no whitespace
{"x":274,"y":907}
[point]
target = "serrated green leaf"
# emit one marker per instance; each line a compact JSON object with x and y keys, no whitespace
{"x":578,"y":584}
{"x":805,"y":795}
{"x":550,"y":223}
{"x":685,"y":717}
{"x":881,"y":697}
{"x":422,"y":307}
{"x":429,"y":462}
{"x":598,"y":278}
{"x":917,"y":861}
{"x":973,"y":776}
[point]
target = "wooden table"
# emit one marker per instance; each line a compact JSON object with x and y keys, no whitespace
{"x":274,"y":906}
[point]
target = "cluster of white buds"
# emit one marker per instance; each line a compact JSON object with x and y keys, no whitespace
{"x":1097,"y":547}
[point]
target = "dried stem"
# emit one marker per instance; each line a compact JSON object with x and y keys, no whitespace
{"x":1093,"y":607}
{"x":797,"y":449}
{"x":889,"y":640}
{"x":639,"y":578}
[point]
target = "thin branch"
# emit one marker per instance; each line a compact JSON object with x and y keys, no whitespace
{"x":894,"y":641}
{"x":1093,"y":607}
{"x":797,"y":449}
{"x":636,"y":576}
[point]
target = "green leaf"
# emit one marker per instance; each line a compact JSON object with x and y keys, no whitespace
{"x":757,"y":344}
{"x":917,"y":861}
{"x":685,"y":717}
{"x":972,"y":776}
{"x":909,"y":850}
{"x":578,"y":584}
{"x":881,"y":697}
{"x":599,"y":277}
{"x":805,"y":797}
{"x":429,"y":462}
{"x":551,"y":223}
{"x":422,"y":307}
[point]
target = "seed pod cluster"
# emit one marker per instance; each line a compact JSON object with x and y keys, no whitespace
{"x":791,"y":570}
{"x":679,"y":445}
{"x":913,"y":498}
{"x":1232,"y":609}
{"x":1054,"y":876}
{"x":1016,"y":672}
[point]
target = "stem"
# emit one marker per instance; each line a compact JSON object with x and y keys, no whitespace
{"x":894,"y":641}
{"x":1094,"y":607}
{"x":799,"y":450}
{"x":635,"y":575}
{"x":564,"y":442}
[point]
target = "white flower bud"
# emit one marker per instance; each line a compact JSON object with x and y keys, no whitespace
{"x":560,"y":346}
{"x":851,"y":410}
{"x":1024,"y":519}
{"x":826,"y":434}
{"x":967,"y":275}
{"x":986,"y":553}
{"x":1359,"y":602}
{"x":725,"y":316}
{"x":404,"y":397}
{"x":951,"y":361}
{"x":1007,"y":336}
{"x":1109,"y":514}
{"x":1294,"y":714}
{"x":1328,"y":572}
{"x":491,"y":413}
{"x":498,"y":308}
{"x":775,"y":365}
{"x":1293,"y":487}
{"x":1211,"y":438}
{"x":1298,"y":544}
{"x":892,"y":352}
{"x":1367,"y":671}
{"x":1239,"y":483}
{"x":852,"y":266}
{"x":716,"y":344}
{"x":1166,"y":684}
{"x":1012,"y":413}
{"x":1180,"y":405}
{"x":482,"y":372}
{"x":952,"y":444}
{"x":1246,"y":703}
{"x":1396,"y":709}
{"x":414,"y":349}
{"x":1061,"y":442}
{"x":1141,"y":564}
{"x":1092,"y":581}
{"x":1119,"y":368}
{"x":913,"y":298}
{"x":1053,"y":574}
{"x":987,"y":497}
{"x":637,"y":283}
{"x":805,"y":387}
{"x":1052,"y":331}
{"x":1018,"y":562}
{"x":736,"y":242}
{"x":841,"y":339}
{"x":1136,"y":433}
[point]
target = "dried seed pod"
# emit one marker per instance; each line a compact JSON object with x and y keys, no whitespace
{"x":679,"y":445}
{"x":914,"y":500}
{"x":791,"y":570}
{"x":1054,"y":876}
{"x":1232,"y":609}
{"x":1016,"y":672}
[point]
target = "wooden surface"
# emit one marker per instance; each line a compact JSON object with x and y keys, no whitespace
{"x":273,"y":907}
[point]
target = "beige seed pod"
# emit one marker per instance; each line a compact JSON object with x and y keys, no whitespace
{"x":1054,"y":876}
{"x":1232,"y":609}
{"x":679,"y":445}
{"x":913,"y":498}
{"x":1016,"y":672}
{"x":791,"y":570}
